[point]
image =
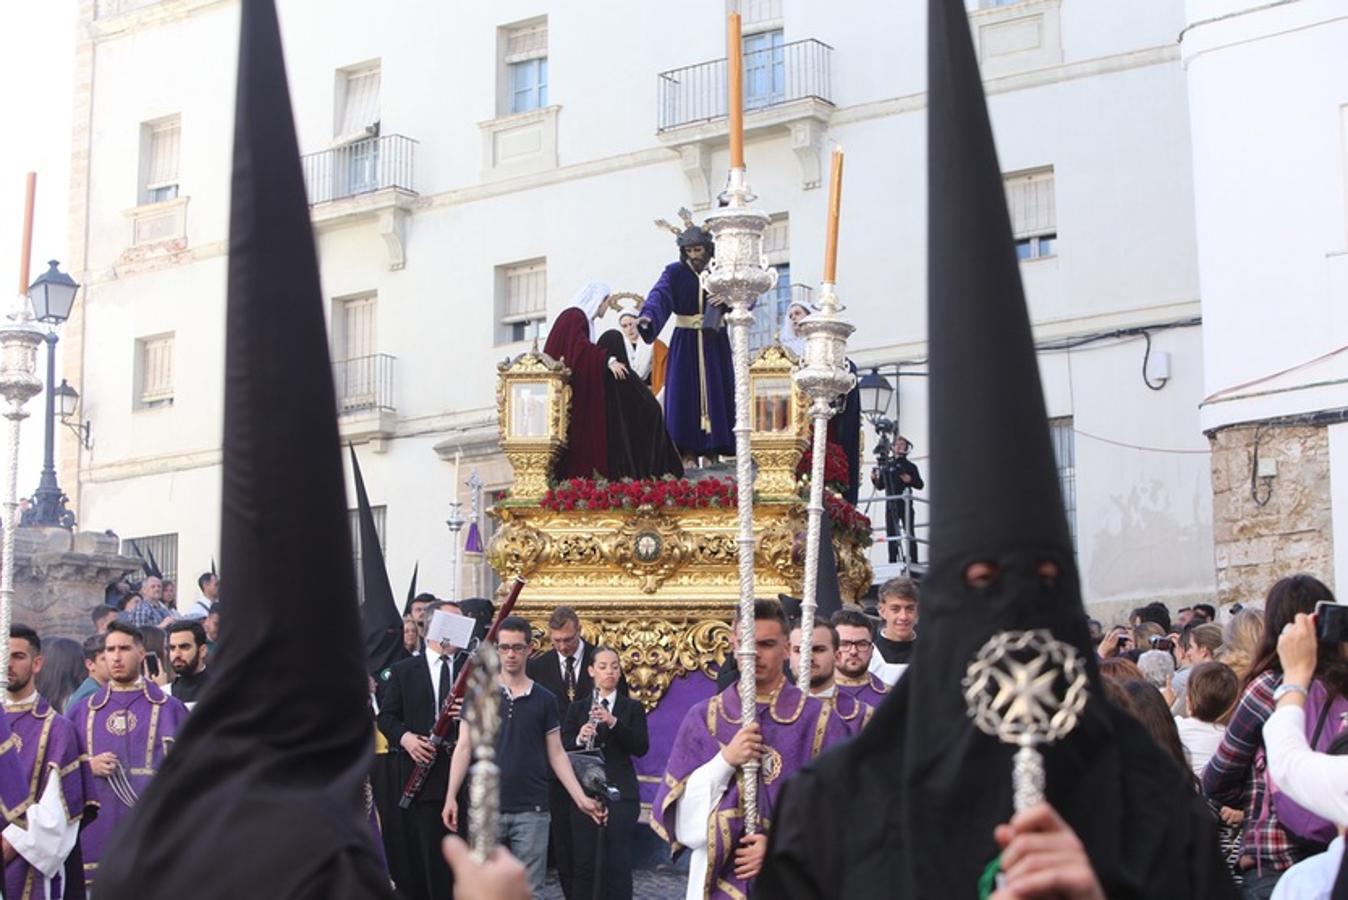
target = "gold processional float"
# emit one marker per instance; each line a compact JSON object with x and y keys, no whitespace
{"x":651,"y":567}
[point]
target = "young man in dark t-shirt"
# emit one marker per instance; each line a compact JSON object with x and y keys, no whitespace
{"x":528,"y":747}
{"x":898,"y":609}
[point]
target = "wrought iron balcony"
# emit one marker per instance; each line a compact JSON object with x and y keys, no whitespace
{"x":364,"y":384}
{"x":774,"y":76}
{"x":360,"y":167}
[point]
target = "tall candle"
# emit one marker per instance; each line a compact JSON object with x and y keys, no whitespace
{"x":735,"y":100}
{"x":26,"y":247}
{"x":458,"y":457}
{"x":834,"y":206}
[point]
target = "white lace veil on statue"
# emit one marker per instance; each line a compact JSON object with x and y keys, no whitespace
{"x":587,"y":300}
{"x":788,"y":337}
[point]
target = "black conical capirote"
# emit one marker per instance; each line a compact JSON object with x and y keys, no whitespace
{"x":268,"y":770}
{"x":412,"y":588}
{"x":994,"y":474}
{"x":382,"y":623}
{"x":827,"y":593}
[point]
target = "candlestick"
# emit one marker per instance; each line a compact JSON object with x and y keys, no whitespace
{"x":735,"y":99}
{"x":834,"y":207}
{"x":26,"y":246}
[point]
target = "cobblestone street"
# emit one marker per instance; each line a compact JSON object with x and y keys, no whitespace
{"x":663,"y":883}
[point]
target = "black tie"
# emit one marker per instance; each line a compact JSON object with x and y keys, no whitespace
{"x":443,"y":690}
{"x":604,"y":703}
{"x":571,"y":678}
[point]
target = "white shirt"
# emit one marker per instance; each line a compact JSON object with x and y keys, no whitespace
{"x":639,"y":357}
{"x":693,"y":811}
{"x":889,"y":673}
{"x":433,"y":661}
{"x":1313,"y":877}
{"x":1200,"y":740}
{"x":1316,"y":781}
{"x":199,"y":609}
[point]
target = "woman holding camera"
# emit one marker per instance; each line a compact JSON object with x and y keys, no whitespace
{"x":1237,"y":769}
{"x":615,"y":725}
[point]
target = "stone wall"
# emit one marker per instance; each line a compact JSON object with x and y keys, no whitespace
{"x":60,"y":576}
{"x":1291,"y":532}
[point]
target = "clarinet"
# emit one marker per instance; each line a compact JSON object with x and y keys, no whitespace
{"x":594,"y":726}
{"x":440,"y":731}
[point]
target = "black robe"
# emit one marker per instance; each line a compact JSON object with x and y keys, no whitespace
{"x":638,"y":444}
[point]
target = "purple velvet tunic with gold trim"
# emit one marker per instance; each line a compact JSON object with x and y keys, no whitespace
{"x":138,"y":723}
{"x":847,"y":709}
{"x":47,"y":744}
{"x":795,"y":729}
{"x":869,"y":689}
{"x":14,"y":798}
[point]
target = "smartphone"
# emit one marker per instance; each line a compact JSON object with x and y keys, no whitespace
{"x":152,"y":665}
{"x":1331,"y":622}
{"x":1161,"y":643}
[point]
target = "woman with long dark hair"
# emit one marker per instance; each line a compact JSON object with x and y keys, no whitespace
{"x":1237,"y":769}
{"x":62,"y":670}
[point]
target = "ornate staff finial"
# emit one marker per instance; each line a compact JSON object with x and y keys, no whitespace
{"x":482,"y":712}
{"x":1027,"y":689}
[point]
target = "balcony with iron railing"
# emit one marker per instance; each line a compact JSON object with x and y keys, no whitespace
{"x":365,"y":397}
{"x":369,"y":179}
{"x":796,"y":72}
{"x":788,"y":89}
{"x":373,"y":164}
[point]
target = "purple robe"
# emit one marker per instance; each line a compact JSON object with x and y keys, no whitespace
{"x":47,"y":742}
{"x":847,"y":709}
{"x":14,"y":793}
{"x":678,"y":292}
{"x":869,"y":689}
{"x":138,"y":723}
{"x":796,"y":729}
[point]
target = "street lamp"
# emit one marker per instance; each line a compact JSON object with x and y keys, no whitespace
{"x":875,"y":392}
{"x":67,"y":405}
{"x":52,"y":296}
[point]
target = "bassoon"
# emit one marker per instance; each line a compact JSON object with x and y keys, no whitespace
{"x":440,"y":731}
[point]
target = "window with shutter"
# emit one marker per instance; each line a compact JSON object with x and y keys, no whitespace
{"x":523,"y":298}
{"x":358,"y":112}
{"x":526,"y":62}
{"x":159,"y":142}
{"x":1034,"y":219}
{"x":155,"y":370}
{"x":380,"y":516}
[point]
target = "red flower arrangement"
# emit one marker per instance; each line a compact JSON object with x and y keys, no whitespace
{"x":592,"y":493}
{"x":836,"y":474}
{"x":589,"y":493}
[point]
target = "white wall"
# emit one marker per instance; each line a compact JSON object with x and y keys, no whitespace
{"x":1115,"y":133}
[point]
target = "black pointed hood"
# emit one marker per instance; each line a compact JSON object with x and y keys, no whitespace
{"x":928,"y":787}
{"x":827,"y":593}
{"x":268,"y":771}
{"x":147,"y":565}
{"x":412,"y":588}
{"x":383,"y":626}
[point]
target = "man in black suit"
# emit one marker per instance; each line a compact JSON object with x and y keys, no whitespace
{"x":412,"y":697}
{"x":617,"y":725}
{"x":565,"y":671}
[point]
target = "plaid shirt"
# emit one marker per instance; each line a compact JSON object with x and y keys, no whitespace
{"x":1235,"y":777}
{"x":147,"y":612}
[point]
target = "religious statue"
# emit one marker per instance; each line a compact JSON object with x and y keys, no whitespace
{"x":699,"y":386}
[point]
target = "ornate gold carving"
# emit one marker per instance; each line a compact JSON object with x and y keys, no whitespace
{"x":780,"y":547}
{"x":532,"y":438}
{"x":517,"y":548}
{"x":776,"y":453}
{"x":576,"y":550}
{"x":855,"y":574}
{"x":714,"y":549}
{"x":649,"y":546}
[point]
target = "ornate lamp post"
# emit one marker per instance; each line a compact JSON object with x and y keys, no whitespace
{"x":738,"y":274}
{"x":53,"y":296}
{"x":823,"y":377}
{"x":19,"y":340}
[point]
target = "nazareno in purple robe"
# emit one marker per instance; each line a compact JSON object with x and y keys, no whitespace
{"x":138,"y":723}
{"x":678,"y":292}
{"x":795,"y":728}
{"x":869,"y":689}
{"x":47,"y":743}
{"x":14,"y":793}
{"x":847,"y":709}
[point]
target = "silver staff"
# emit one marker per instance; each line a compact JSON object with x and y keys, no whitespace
{"x":483,"y":715}
{"x":1026,"y":689}
{"x":739,"y":274}
{"x":823,"y":377}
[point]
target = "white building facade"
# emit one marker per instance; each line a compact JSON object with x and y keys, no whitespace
{"x":472,"y":165}
{"x":1268,"y":105}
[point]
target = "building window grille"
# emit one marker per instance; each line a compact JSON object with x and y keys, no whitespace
{"x":380,"y":514}
{"x":524,"y":299}
{"x":1034,"y":221}
{"x":1065,"y":453}
{"x":163,"y":548}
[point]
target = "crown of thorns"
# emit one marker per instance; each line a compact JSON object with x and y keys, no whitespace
{"x":690,"y":235}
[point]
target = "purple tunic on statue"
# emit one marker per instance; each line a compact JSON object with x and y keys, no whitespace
{"x":138,"y":723}
{"x":678,"y":293}
{"x":47,"y":743}
{"x":795,"y":729}
{"x":868,"y":689}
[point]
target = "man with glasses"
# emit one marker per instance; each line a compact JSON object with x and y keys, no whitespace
{"x":854,"y":713}
{"x":856,"y":644}
{"x":528,"y":748}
